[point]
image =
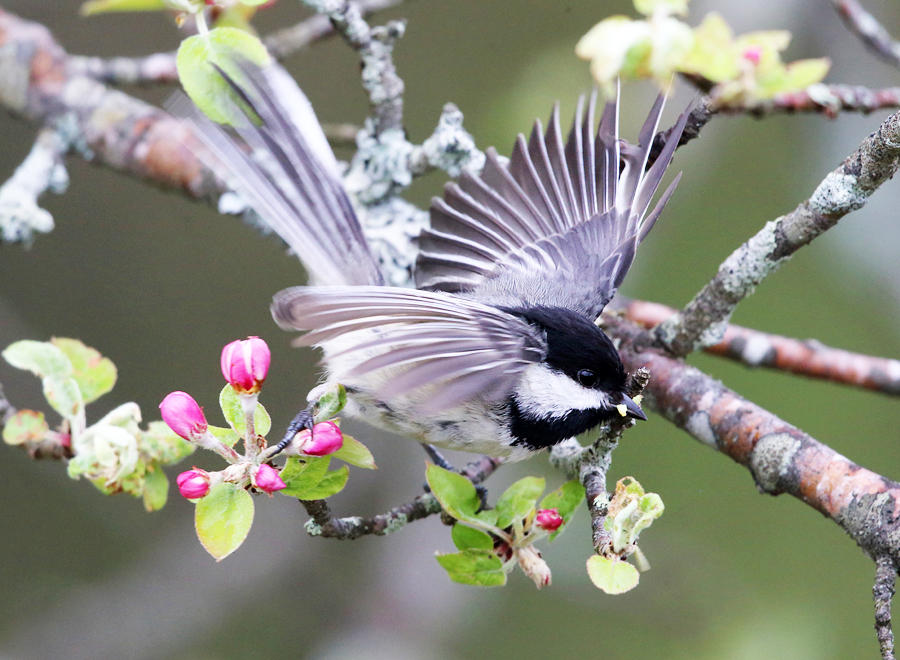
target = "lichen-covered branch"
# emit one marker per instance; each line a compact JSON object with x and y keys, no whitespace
{"x":323,"y":523}
{"x":867,"y":28}
{"x":883,"y":595}
{"x":122,"y":132}
{"x":42,"y":170}
{"x":115,"y":129}
{"x":702,"y":322}
{"x":375,"y":47}
{"x":780,"y":457}
{"x":806,"y":357}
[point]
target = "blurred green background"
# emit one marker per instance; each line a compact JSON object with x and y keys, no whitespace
{"x":159,"y":284}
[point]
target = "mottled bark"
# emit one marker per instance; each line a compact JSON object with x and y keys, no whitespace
{"x":806,"y":357}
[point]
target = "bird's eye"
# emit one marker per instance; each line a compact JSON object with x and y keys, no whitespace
{"x":587,"y":377}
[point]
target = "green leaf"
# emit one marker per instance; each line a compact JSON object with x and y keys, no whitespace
{"x":230,"y":402}
{"x":566,"y":500}
{"x":713,"y":55}
{"x":355,"y":453}
{"x":41,"y":358}
{"x":477,"y":567}
{"x":95,"y":374}
{"x":226,"y":436}
{"x":648,"y":7}
{"x":331,"y":403}
{"x":156,"y":489}
{"x":455,"y":493}
{"x":614,"y":576}
{"x":223,"y":519}
{"x":465,"y":537}
{"x":103,"y":6}
{"x":221,"y":46}
{"x":25,"y":426}
{"x":64,"y":395}
{"x":253,"y":3}
{"x":333,"y":482}
{"x":302,"y":473}
{"x":803,"y":73}
{"x":308,"y":478}
{"x":518,"y":500}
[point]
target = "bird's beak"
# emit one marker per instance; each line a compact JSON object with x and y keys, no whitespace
{"x":632,"y":409}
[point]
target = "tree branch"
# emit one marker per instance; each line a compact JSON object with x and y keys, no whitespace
{"x":866,"y":27}
{"x":780,"y":457}
{"x":805,"y":357}
{"x":375,"y":47}
{"x":702,"y":322}
{"x":883,"y":594}
{"x":828,"y":100}
{"x":160,"y":67}
{"x":323,"y":523}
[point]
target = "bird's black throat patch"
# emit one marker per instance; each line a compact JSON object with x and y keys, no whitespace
{"x":540,"y":433}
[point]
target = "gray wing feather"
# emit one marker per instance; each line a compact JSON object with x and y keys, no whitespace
{"x":459,"y":348}
{"x":559,"y":224}
{"x":290,"y":178}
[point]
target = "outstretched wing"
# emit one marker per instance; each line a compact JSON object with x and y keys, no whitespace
{"x":559,"y":224}
{"x":289,"y":175}
{"x":460,"y":348}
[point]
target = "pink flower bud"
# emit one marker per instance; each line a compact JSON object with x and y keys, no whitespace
{"x":752,"y":54}
{"x":549,"y":519}
{"x":268,"y":480}
{"x":183,"y":415}
{"x":245,"y":363}
{"x":193,"y":484}
{"x":326,"y":438}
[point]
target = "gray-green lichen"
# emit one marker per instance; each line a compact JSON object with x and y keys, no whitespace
{"x":395,"y":523}
{"x":838,"y":194}
{"x":312,"y":528}
{"x":772,"y":458}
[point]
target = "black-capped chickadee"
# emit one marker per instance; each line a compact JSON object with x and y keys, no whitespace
{"x":497,"y":350}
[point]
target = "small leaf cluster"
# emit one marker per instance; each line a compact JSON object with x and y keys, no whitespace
{"x":743,"y":70}
{"x":492,"y":541}
{"x":630,"y":511}
{"x":114,"y":453}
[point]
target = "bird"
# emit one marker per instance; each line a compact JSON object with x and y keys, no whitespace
{"x":497,"y":349}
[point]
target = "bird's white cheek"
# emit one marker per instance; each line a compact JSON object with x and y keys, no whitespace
{"x":544,"y":393}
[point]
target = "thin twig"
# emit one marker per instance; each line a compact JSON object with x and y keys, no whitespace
{"x":159,"y":68}
{"x":323,"y":523}
{"x":375,"y":47}
{"x":867,"y":28}
{"x":828,"y":100}
{"x":702,"y":322}
{"x":805,"y":357}
{"x":883,"y":595}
